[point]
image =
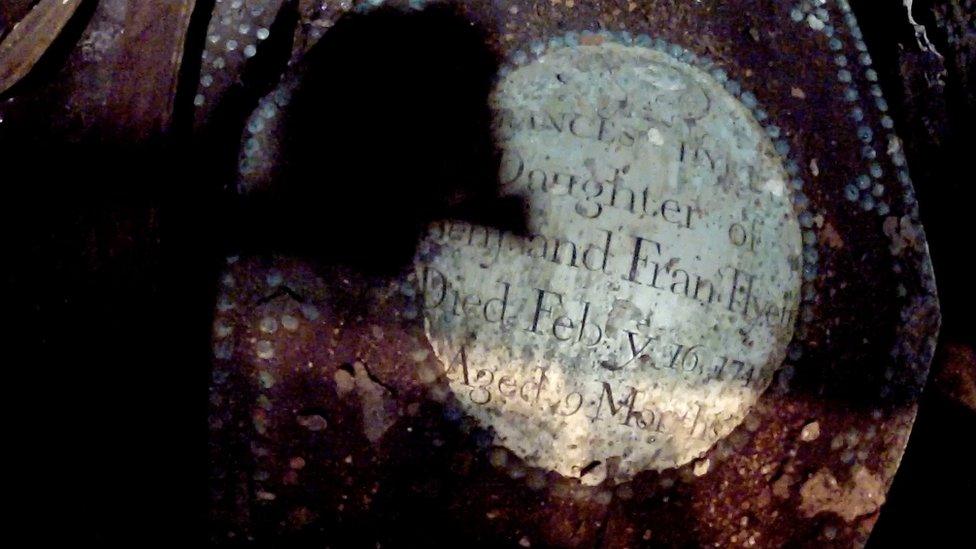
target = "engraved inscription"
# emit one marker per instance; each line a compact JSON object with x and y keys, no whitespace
{"x":655,"y":293}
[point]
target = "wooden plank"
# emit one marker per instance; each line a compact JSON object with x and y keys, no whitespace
{"x":31,"y":37}
{"x":146,"y":67}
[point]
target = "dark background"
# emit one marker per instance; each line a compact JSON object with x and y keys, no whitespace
{"x":933,"y":100}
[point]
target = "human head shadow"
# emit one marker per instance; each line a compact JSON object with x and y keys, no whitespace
{"x":388,"y":130}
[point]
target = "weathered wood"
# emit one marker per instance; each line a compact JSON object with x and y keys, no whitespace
{"x":11,"y":12}
{"x":147,"y":65}
{"x":31,"y":37}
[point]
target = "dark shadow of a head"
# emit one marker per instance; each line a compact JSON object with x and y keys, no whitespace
{"x":389,"y":129}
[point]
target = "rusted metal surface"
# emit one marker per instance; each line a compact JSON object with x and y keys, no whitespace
{"x":344,"y":431}
{"x":956,"y":374}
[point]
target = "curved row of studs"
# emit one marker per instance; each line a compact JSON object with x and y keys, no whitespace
{"x":805,"y":216}
{"x":263,"y":377}
{"x":257,"y":157}
{"x":237,"y":28}
{"x":233,"y":35}
{"x":258,"y":144}
{"x":867,"y":189}
{"x":916,"y":306}
{"x":893,"y":148}
{"x":256,"y":160}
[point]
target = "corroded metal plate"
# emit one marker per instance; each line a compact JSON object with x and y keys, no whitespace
{"x":355,"y":409}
